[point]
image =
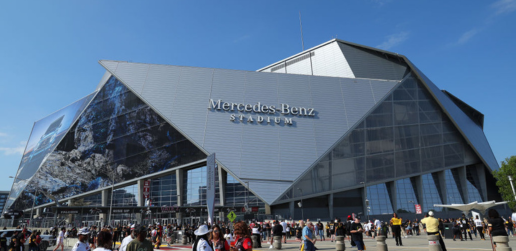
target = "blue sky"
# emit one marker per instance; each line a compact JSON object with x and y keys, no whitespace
{"x":49,"y":49}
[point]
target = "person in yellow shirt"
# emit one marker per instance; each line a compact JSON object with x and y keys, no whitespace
{"x":396,"y":229}
{"x":432,"y":227}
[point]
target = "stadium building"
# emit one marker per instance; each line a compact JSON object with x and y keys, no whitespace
{"x":342,"y":127}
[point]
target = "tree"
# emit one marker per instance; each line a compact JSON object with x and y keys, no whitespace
{"x":502,"y":176}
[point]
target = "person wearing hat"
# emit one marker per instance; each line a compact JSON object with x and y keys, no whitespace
{"x":140,"y":243}
{"x":82,"y":242}
{"x":432,"y":228}
{"x":127,"y":240}
{"x":201,"y":239}
{"x":357,"y":234}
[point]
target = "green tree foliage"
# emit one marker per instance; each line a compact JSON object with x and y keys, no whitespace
{"x":502,"y":175}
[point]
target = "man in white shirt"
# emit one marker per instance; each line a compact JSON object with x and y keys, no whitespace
{"x":82,"y":243}
{"x":378,"y":226}
{"x":127,"y":239}
{"x":284,"y":233}
{"x":60,"y":240}
{"x":480,"y":227}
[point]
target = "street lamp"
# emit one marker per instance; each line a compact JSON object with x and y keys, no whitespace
{"x":366,"y":201}
{"x":301,"y":204}
{"x":510,"y":181}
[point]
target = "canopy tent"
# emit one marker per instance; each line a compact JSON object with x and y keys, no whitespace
{"x":482,"y":206}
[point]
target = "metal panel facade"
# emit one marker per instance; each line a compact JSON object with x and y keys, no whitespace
{"x":329,"y":61}
{"x":268,"y":152}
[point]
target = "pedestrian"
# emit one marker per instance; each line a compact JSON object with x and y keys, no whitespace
{"x":416,"y":226}
{"x":432,"y":228}
{"x":320,"y":230}
{"x":308,"y":237}
{"x":60,"y":240}
{"x":3,"y":242}
{"x":284,"y":230}
{"x":299,"y":233}
{"x":332,"y":230}
{"x":140,"y":243}
{"x":456,"y":229}
{"x":255,"y":230}
{"x":93,"y":237}
{"x":340,"y":230}
{"x":348,"y":230}
{"x":396,"y":229}
{"x":510,"y":227}
{"x":378,"y":227}
{"x":277,"y":230}
{"x":82,"y":240}
{"x":33,"y":246}
{"x":480,"y":227}
{"x":127,"y":239}
{"x":465,"y":228}
{"x":496,"y":224}
{"x":228,"y":236}
{"x":218,"y":242}
{"x":104,"y":240}
{"x":357,"y":234}
{"x":242,"y":241}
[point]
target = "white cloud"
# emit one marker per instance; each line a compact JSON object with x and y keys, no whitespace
{"x":466,"y":36}
{"x":393,"y":40}
{"x":3,"y":134}
{"x":12,"y":150}
{"x":504,"y":6}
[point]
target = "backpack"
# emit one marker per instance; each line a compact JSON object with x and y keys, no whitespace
{"x":348,"y":227}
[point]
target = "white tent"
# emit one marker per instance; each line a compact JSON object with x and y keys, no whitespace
{"x":465,"y":208}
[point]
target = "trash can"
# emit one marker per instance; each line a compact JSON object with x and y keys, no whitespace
{"x":448,"y":230}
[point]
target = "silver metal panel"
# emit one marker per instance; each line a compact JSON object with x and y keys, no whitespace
{"x":329,"y":61}
{"x":330,"y":122}
{"x":370,"y":64}
{"x":358,"y":99}
{"x":220,"y":132}
{"x":260,"y":139}
{"x":268,"y":190}
{"x":469,"y":129}
{"x":161,"y":86}
{"x":109,"y":65}
{"x":297,"y":143}
{"x":380,"y":89}
{"x":134,"y":74}
{"x":189,"y":106}
{"x":103,"y":80}
{"x":297,"y":66}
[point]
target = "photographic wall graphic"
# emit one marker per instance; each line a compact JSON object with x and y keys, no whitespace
{"x":117,"y":138}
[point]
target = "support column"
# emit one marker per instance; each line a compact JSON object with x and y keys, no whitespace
{"x":441,"y":176}
{"x":394,"y":197}
{"x":222,"y":186}
{"x":463,"y":183}
{"x":179,"y":192}
{"x":141,"y":200}
{"x":105,"y":203}
{"x":292,"y":209}
{"x":268,"y":210}
{"x":482,"y":180}
{"x":69,"y":218}
{"x":330,"y":206}
{"x":419,"y":192}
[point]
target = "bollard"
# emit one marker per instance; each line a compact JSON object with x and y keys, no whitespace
{"x":255,"y":240}
{"x":433,"y":243}
{"x":380,"y":243}
{"x":184,"y":240}
{"x":277,"y":242}
{"x":502,"y":243}
{"x":339,"y":243}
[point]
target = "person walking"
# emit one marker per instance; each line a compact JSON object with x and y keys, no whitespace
{"x":378,"y":227}
{"x":308,"y":238}
{"x":432,"y":228}
{"x":396,"y":229}
{"x":496,"y":224}
{"x":320,"y":229}
{"x":127,"y":240}
{"x":140,"y":243}
{"x":465,"y":227}
{"x":104,"y":241}
{"x":60,"y":240}
{"x":357,"y":234}
{"x":82,"y":240}
{"x":218,"y":242}
{"x":510,"y":227}
{"x":284,"y":231}
{"x":480,"y":227}
{"x":255,"y":230}
{"x":33,"y":246}
{"x":243,"y":240}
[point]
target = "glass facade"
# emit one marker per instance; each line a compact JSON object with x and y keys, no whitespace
{"x":194,"y":187}
{"x":164,"y":191}
{"x":117,"y":138}
{"x":406,"y":195}
{"x":379,"y":199}
{"x":126,"y":196}
{"x":94,"y":200}
{"x":237,"y":193}
{"x":473,"y":183}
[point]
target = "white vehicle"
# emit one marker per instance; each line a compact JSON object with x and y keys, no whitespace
{"x":46,"y":240}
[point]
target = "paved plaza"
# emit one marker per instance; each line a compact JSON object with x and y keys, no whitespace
{"x":411,"y":243}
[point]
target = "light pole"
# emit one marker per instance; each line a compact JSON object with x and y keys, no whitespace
{"x":301,"y":204}
{"x":246,"y":191}
{"x":366,"y":201}
{"x":510,"y":181}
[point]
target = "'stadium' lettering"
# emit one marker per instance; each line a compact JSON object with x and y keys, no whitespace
{"x":284,"y":109}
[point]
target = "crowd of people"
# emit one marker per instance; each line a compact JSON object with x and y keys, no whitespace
{"x":239,"y":236}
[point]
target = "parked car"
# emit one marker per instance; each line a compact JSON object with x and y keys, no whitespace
{"x":46,"y":240}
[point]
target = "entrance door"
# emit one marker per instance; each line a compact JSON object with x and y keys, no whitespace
{"x":165,"y":222}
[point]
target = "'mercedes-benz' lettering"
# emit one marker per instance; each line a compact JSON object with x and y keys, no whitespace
{"x":260,"y":111}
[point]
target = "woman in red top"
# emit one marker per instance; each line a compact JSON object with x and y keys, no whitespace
{"x":243,"y":240}
{"x":217,"y":240}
